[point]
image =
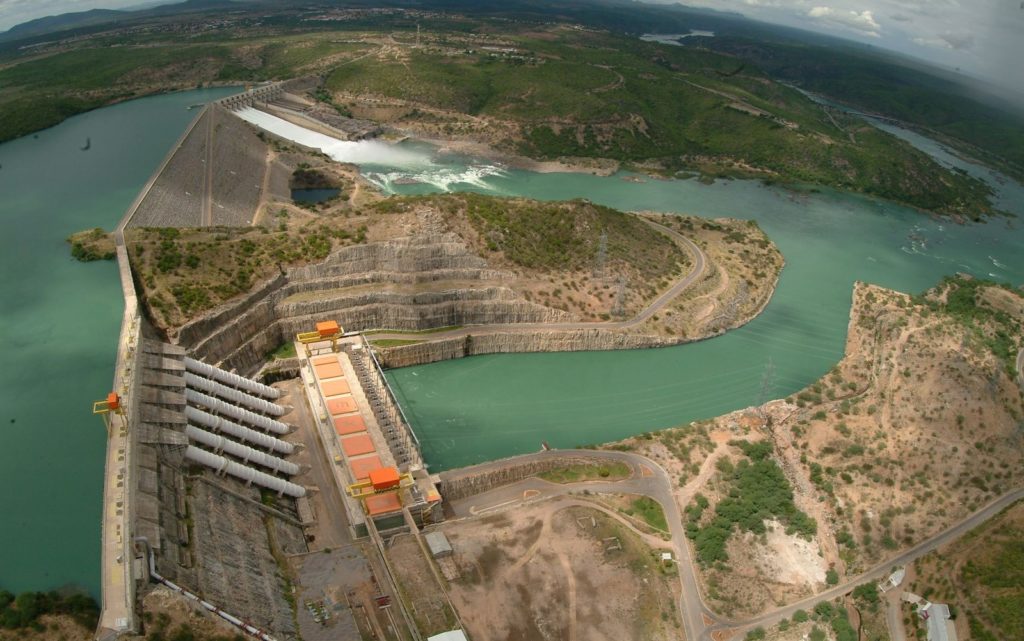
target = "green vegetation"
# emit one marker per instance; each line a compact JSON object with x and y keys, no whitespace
{"x":587,"y":472}
{"x":837,"y":619}
{"x":433,"y":330}
{"x":284,"y":350}
{"x":94,"y":244}
{"x":601,"y":95}
{"x":995,"y":580}
{"x":25,"y":610}
{"x":879,"y":84}
{"x":586,"y":93}
{"x":563,"y":236}
{"x":990,"y":327}
{"x":159,"y":629}
{"x":758,"y":491}
{"x":649,"y":511}
{"x":384,"y":343}
{"x":188,"y":271}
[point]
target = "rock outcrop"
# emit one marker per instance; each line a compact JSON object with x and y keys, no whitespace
{"x":412,"y":283}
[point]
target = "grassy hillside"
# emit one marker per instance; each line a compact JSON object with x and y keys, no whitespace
{"x":550,"y":91}
{"x":586,"y":94}
{"x":877,"y":85}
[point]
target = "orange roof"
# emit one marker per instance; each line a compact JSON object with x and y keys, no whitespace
{"x":350,"y":424}
{"x":341,"y":405}
{"x":361,"y":467}
{"x":328,"y":370}
{"x":336,"y":387}
{"x":356,"y":445}
{"x":327,"y":328}
{"x":384,"y":478}
{"x":113,"y":401}
{"x":320,"y":360}
{"x":382,"y":503}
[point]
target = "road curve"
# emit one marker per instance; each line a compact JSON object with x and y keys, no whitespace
{"x":699,"y":264}
{"x":658,"y":485}
{"x":882,"y":569}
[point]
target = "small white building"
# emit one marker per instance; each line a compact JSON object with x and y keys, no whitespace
{"x":940,"y":625}
{"x":451,"y":635}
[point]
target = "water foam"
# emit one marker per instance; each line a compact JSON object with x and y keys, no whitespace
{"x":358,"y":152}
{"x":403,"y":166}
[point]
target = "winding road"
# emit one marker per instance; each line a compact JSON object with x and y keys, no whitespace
{"x":650,"y":479}
{"x":699,"y":265}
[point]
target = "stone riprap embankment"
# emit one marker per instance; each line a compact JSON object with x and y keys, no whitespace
{"x":214,"y":178}
{"x":417,"y":283}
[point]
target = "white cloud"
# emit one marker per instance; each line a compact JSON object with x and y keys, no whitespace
{"x":863,"y":21}
{"x":948,"y":40}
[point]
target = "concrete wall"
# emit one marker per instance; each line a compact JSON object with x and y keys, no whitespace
{"x":540,"y":341}
{"x":468,"y":481}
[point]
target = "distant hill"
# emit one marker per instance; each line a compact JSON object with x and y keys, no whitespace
{"x":61,"y":22}
{"x":96,"y":17}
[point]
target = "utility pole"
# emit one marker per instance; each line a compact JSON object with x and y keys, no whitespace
{"x":417,"y":35}
{"x":767,"y":385}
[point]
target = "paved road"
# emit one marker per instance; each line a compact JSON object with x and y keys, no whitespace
{"x":882,"y":569}
{"x":658,"y":485}
{"x":1020,"y":367}
{"x":699,"y":264}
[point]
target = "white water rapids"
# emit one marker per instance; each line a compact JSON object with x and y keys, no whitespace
{"x":398,"y":165}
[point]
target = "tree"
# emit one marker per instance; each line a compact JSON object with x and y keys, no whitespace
{"x":832,"y":577}
{"x":817,"y":634}
{"x":800,"y":616}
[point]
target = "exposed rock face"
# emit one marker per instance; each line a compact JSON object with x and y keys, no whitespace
{"x":397,"y":284}
{"x":540,"y":341}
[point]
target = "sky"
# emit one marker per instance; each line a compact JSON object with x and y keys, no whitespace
{"x":983,"y":38}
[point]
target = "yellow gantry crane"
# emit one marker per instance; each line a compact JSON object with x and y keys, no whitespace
{"x":382,"y":482}
{"x":112,"y":404}
{"x":325,"y":331}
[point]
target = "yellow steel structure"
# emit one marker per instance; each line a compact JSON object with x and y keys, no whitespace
{"x":111,"y":404}
{"x":325,"y":331}
{"x":363,"y":489}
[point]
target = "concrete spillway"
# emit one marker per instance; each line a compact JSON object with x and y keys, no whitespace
{"x":235,"y":412}
{"x":231,"y":379}
{"x":244,"y":472}
{"x":257,"y":404}
{"x":244,"y":452}
{"x":242,"y":433}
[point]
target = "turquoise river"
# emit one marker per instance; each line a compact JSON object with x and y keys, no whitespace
{"x":60,"y":318}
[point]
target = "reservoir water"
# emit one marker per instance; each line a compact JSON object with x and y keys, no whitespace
{"x":60,"y":318}
{"x":58,"y":328}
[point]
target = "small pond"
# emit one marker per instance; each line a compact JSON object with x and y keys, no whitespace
{"x":314,"y":195}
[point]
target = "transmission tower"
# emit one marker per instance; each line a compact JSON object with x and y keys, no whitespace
{"x":602,"y":256}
